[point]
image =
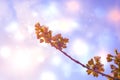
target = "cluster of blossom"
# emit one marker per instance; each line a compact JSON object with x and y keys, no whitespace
{"x":94,"y":65}
{"x":45,"y":35}
{"x":115,"y":68}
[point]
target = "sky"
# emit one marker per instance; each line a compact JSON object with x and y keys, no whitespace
{"x":92,"y":26}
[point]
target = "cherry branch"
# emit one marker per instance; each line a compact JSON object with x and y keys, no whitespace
{"x":58,"y":42}
{"x":76,"y":61}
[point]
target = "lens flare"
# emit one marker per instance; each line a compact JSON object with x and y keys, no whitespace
{"x":48,"y":76}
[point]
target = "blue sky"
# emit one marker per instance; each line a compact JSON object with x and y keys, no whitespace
{"x":92,"y":26}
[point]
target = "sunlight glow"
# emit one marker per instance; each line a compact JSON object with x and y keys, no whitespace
{"x":25,"y":60}
{"x":19,"y":36}
{"x":114,"y":15}
{"x":30,"y":29}
{"x":48,"y":76}
{"x":56,"y":61}
{"x":5,"y":52}
{"x":12,"y":27}
{"x":34,"y":14}
{"x":73,"y":6}
{"x":63,"y":25}
{"x":40,"y":58}
{"x":80,"y":47}
{"x":22,"y":60}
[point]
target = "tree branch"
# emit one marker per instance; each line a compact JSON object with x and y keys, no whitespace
{"x":76,"y":61}
{"x":59,"y":43}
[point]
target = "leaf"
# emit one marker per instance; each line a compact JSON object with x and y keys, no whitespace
{"x":109,"y":57}
{"x":89,"y":72}
{"x":95,"y":74}
{"x":41,"y":40}
{"x":97,"y":58}
{"x":91,"y":62}
{"x":113,"y":66}
{"x":118,"y":56}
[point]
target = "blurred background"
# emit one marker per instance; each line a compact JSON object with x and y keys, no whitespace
{"x":92,"y":26}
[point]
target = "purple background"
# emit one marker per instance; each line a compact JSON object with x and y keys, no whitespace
{"x":92,"y":26}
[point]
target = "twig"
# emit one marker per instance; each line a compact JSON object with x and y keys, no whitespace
{"x":76,"y":61}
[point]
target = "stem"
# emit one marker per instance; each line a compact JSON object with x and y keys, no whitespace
{"x":76,"y":61}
